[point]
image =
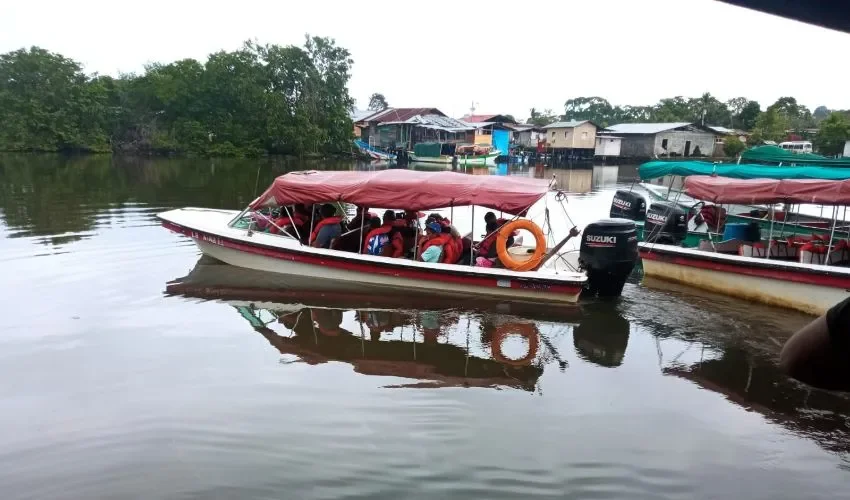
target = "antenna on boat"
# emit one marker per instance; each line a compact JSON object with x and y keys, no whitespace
{"x":257,"y":181}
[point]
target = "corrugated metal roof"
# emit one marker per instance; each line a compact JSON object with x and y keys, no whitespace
{"x":645,"y":128}
{"x":434,"y":122}
{"x":570,"y":124}
{"x":359,"y":114}
{"x":477,"y":118}
{"x":402,"y":114}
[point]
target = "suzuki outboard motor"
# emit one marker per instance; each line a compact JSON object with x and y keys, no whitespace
{"x":666,"y":223}
{"x":608,"y":254}
{"x":628,"y":205}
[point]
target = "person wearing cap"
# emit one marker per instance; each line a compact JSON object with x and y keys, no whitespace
{"x":819,"y":353}
{"x":431,"y":247}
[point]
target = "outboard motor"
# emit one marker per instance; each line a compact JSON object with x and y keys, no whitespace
{"x":608,"y":254}
{"x":666,"y":223}
{"x":628,"y":205}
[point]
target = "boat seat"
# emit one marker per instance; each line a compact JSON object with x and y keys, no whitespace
{"x":779,"y":249}
{"x":727,"y":246}
{"x":815,"y":253}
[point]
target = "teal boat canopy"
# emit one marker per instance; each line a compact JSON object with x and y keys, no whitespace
{"x":656,"y":169}
{"x":775,"y":154}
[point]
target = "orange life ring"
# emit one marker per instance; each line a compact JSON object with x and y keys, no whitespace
{"x":522,"y":329}
{"x":502,"y":245}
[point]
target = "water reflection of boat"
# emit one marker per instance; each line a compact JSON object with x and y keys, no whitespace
{"x":602,"y":337}
{"x":379,"y":334}
{"x":758,"y":385}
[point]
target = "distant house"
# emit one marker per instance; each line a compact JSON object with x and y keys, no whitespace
{"x":528,"y":136}
{"x":723,"y":133}
{"x":358,"y":115}
{"x":405,"y":127}
{"x":607,"y":145}
{"x":571,"y":135}
{"x":495,"y":130}
{"x":648,"y":140}
{"x":488,"y":118}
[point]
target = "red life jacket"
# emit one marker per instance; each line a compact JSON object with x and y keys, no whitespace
{"x":452,"y":250}
{"x":486,"y":243}
{"x":283,"y":221}
{"x":322,"y":223}
{"x":442,"y":239}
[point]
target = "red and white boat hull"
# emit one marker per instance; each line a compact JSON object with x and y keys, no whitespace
{"x":281,"y":255}
{"x":809,"y":288}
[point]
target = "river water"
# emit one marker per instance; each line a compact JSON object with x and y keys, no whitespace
{"x":132,"y":368}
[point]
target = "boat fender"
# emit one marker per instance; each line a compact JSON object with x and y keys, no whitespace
{"x":523,"y":330}
{"x":502,"y":245}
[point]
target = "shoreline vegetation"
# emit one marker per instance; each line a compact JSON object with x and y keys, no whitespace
{"x":293,"y":101}
{"x":258,"y":100}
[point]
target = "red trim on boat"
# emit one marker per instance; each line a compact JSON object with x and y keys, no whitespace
{"x":812,"y":277}
{"x":338,"y":262}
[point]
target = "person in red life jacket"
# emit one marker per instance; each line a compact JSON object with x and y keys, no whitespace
{"x":297,"y":220}
{"x":432,"y":245}
{"x":327,"y":229}
{"x":454,"y":246}
{"x":487,"y":255}
{"x":385,"y":240}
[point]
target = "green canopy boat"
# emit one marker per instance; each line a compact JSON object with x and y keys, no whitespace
{"x":775,"y":154}
{"x":657,"y":169}
{"x":803,"y":224}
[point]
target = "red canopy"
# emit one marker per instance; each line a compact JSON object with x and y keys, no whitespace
{"x":404,"y":189}
{"x":757,"y":191}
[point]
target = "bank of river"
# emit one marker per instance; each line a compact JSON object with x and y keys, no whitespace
{"x":134,"y":368}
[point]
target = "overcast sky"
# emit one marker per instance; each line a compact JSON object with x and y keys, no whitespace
{"x":504,"y":56}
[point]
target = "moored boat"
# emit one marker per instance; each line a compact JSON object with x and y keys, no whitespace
{"x":809,"y":274}
{"x":607,"y":257}
{"x":448,"y":153}
{"x":706,"y":220}
{"x":373,"y":153}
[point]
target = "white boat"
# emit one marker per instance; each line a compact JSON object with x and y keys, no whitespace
{"x":476,"y":160}
{"x":808,"y":274}
{"x":230,"y":236}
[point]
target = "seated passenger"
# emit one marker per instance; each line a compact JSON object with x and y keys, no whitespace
{"x":489,"y":217}
{"x":297,"y":220}
{"x":431,"y":246}
{"x":361,"y":218}
{"x":454,"y":246}
{"x":327,"y":229}
{"x":487,"y":255}
{"x":385,"y":240}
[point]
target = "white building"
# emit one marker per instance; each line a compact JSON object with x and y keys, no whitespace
{"x":847,"y":149}
{"x":607,"y":145}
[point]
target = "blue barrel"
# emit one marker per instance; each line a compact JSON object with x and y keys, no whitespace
{"x":736,"y":231}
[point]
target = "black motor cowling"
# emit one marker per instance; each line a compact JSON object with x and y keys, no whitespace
{"x":666,"y":223}
{"x":628,"y":205}
{"x":608,"y":254}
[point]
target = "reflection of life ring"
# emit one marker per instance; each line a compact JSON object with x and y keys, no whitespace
{"x":502,"y":245}
{"x":523,"y":330}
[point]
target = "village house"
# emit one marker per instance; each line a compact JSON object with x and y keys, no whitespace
{"x":528,"y":136}
{"x":724,"y":133}
{"x":492,"y":130}
{"x":607,"y":146}
{"x":356,"y":116}
{"x":402,"y":128}
{"x":648,"y":140}
{"x":576,"y":138}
